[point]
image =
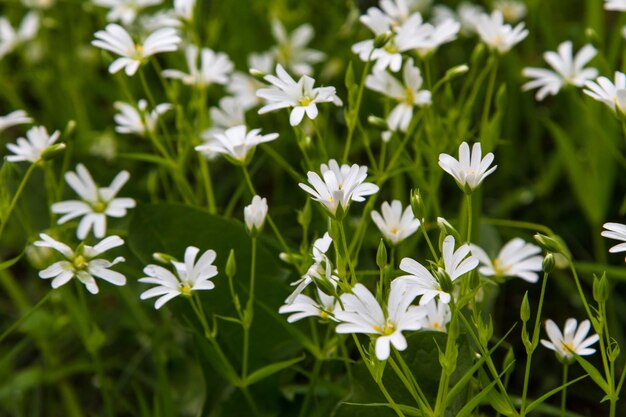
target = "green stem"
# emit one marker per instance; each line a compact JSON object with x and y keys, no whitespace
{"x":468,"y":202}
{"x":430,"y":244}
{"x":489,"y":96}
{"x":564,"y":391}
{"x":309,"y":394}
{"x":346,"y":252}
{"x":24,"y":316}
{"x":208,"y":183}
{"x":18,"y":193}
{"x":355,"y":112}
{"x":249,"y":313}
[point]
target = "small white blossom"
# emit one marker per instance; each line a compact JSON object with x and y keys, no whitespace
{"x":615,"y":231}
{"x":82,"y":263}
{"x":456,"y":264}
{"x":117,"y":40}
{"x":408,"y":94}
{"x":137,"y":120}
{"x":437,"y":316}
{"x":97,"y":203}
{"x":466,"y":14}
{"x":433,"y":36}
{"x":184,"y":9}
{"x":616,"y":5}
{"x":255,"y":214}
{"x":470,"y":169}
{"x":215,"y":68}
{"x":301,"y":96}
{"x":498,"y":35}
{"x":291,"y":51}
{"x":573,"y":339}
{"x":304,"y":306}
{"x":512,"y":10}
{"x":236,"y":143}
{"x":10,"y":38}
{"x":190,"y":276}
{"x":363,"y":314}
{"x":395,"y":224}
{"x":609,"y":93}
{"x":516,"y":259}
{"x":321,"y":269}
{"x":17,"y":117}
{"x":36,"y":143}
{"x":568,"y":69}
{"x":339,"y":187}
{"x":125,"y":11}
{"x":231,"y":112}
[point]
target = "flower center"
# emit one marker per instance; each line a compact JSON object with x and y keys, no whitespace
{"x":390,"y":47}
{"x":305,"y":101}
{"x":436,"y":325}
{"x":99,"y":206}
{"x":185,"y":289}
{"x":394,"y":230}
{"x":500,"y":268}
{"x":568,"y":347}
{"x":409,"y":96}
{"x":389,"y":328}
{"x":80,"y":262}
{"x":139,"y":51}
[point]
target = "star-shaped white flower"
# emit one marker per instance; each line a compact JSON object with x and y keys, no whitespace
{"x":498,"y":35}
{"x":17,"y":117}
{"x":516,"y":259}
{"x":10,"y":38}
{"x":615,"y":5}
{"x":408,"y":94}
{"x":236,"y":143}
{"x":117,"y":40}
{"x":291,"y":50}
{"x":609,"y":93}
{"x":362,"y":314}
{"x":83,"y":263}
{"x":568,"y":69}
{"x":137,"y":120}
{"x":190,"y":276}
{"x":615,"y":231}
{"x":470,"y":169}
{"x":394,"y":224}
{"x":97,"y":203}
{"x":338,"y":187}
{"x":125,"y":11}
{"x":215,"y":68}
{"x":573,"y":339}
{"x":301,"y":96}
{"x":31,"y":149}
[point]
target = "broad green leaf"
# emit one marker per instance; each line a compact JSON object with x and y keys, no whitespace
{"x":550,"y":393}
{"x":269,"y":370}
{"x":10,"y":262}
{"x":593,"y":373}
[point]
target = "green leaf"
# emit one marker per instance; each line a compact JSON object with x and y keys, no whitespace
{"x":271,"y":369}
{"x":10,"y":262}
{"x":145,"y":157}
{"x":593,"y":373}
{"x":550,"y":393}
{"x":407,"y":410}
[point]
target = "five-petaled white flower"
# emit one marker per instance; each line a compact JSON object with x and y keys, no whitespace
{"x":137,"y":120}
{"x":470,"y":169}
{"x":96,"y":204}
{"x":339,"y":186}
{"x":301,"y":96}
{"x":498,"y":35}
{"x":437,"y":316}
{"x":573,"y":339}
{"x":616,"y":5}
{"x":516,"y":259}
{"x":190,"y":276}
{"x":305,"y":306}
{"x":36,"y":143}
{"x":236,"y":143}
{"x":395,"y":224}
{"x":17,"y":117}
{"x":456,"y":264}
{"x":117,"y":40}
{"x":291,"y":50}
{"x":255,"y":214}
{"x":125,"y":11}
{"x":615,"y":231}
{"x":362,"y":314}
{"x":408,"y":94}
{"x":568,"y":69}
{"x":11,"y":38}
{"x":609,"y":93}
{"x":82,"y":263}
{"x":215,"y":68}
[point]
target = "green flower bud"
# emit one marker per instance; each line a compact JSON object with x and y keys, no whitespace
{"x":447,"y":229}
{"x":231,"y":264}
{"x":382,"y":39}
{"x":525,"y":309}
{"x":258,"y":74}
{"x":417,"y":205}
{"x":445,"y":282}
{"x":551,"y":244}
{"x":381,"y":255}
{"x":164,"y":258}
{"x":548,"y":263}
{"x":600,"y":289}
{"x":613,"y":350}
{"x":377,"y":122}
{"x":53,"y":151}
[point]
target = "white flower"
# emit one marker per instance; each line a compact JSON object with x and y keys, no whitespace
{"x":516,"y":259}
{"x":231,"y":112}
{"x":255,"y":213}
{"x":338,"y":187}
{"x":321,"y":269}
{"x":512,"y":10}
{"x":567,"y":70}
{"x":615,"y":231}
{"x":184,"y":9}
{"x":407,"y":94}
{"x":159,"y":20}
{"x":17,"y":117}
{"x":11,"y":39}
{"x":83,"y":263}
{"x":434,"y":36}
{"x":301,"y":96}
{"x":190,"y":276}
{"x":36,"y":143}
{"x":215,"y":68}
{"x":137,"y":120}
{"x":363,"y":314}
{"x":291,"y":51}
{"x":437,"y":316}
{"x":304,"y":306}
{"x":470,"y":169}
{"x":466,"y":14}
{"x":617,"y":5}
{"x":117,"y":40}
{"x":394,"y":224}
{"x":236,"y":143}
{"x":572,"y":340}
{"x":613,"y":95}
{"x":124,"y":11}
{"x":456,"y":264}
{"x":96,"y":204}
{"x":498,"y":35}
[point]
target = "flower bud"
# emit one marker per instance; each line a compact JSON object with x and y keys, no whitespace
{"x":447,"y":229}
{"x":613,"y":350}
{"x":525,"y":309}
{"x":164,"y":258}
{"x":304,"y":215}
{"x":417,"y":205}
{"x":382,"y":39}
{"x":231,"y":264}
{"x":258,"y":74}
{"x":444,"y":280}
{"x":551,"y":244}
{"x":548,"y":263}
{"x":255,"y":215}
{"x":600,"y":289}
{"x":53,"y":151}
{"x":381,"y":255}
{"x":377,"y":122}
